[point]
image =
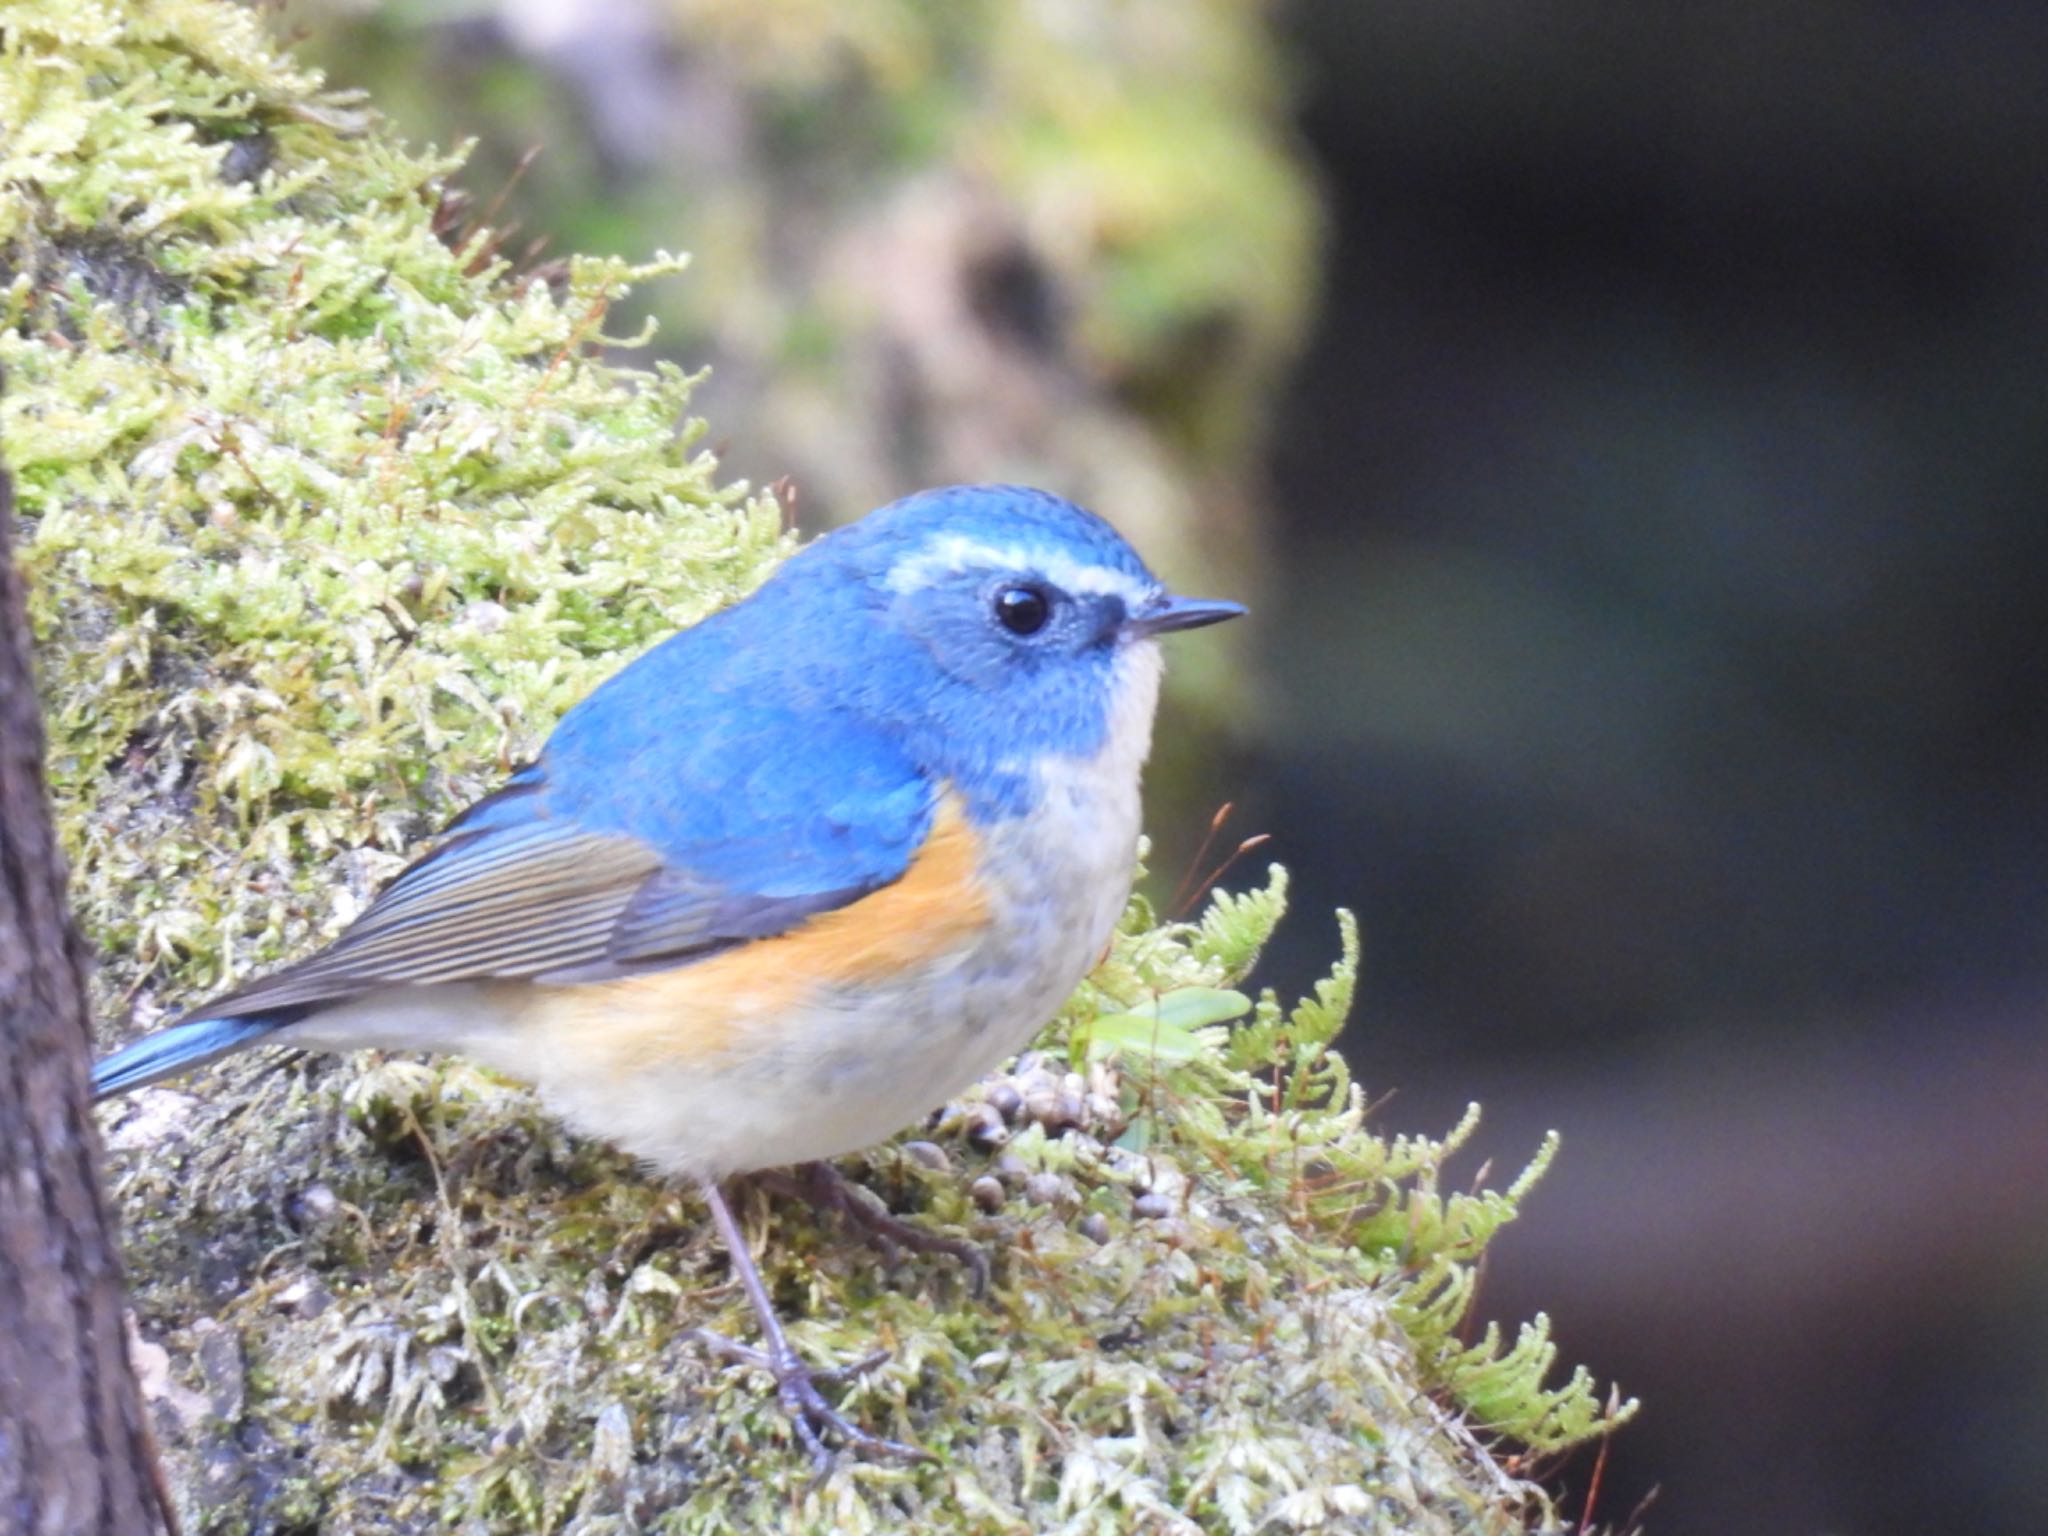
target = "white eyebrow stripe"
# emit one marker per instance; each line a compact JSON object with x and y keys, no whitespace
{"x":956,"y":553}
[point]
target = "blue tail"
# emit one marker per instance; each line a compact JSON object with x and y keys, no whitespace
{"x":179,"y":1049}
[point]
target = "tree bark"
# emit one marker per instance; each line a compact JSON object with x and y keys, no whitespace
{"x":75,"y":1454}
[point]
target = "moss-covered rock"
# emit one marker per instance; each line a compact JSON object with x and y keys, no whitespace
{"x":330,"y":514}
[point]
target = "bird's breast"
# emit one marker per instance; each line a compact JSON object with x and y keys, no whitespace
{"x":836,"y":1034}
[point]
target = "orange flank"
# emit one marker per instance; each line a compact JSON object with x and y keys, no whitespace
{"x":700,"y":1009}
{"x":936,"y":906}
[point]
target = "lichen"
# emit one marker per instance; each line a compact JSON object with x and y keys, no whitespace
{"x":330,"y":513}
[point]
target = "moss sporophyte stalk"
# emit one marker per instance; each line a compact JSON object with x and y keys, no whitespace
{"x":329,"y":513}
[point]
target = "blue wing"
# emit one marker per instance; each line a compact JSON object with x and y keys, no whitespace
{"x":649,"y":833}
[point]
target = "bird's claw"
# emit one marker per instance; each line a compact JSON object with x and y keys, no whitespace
{"x":796,"y":1388}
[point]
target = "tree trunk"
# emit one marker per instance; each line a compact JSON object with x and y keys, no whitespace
{"x":75,"y":1456}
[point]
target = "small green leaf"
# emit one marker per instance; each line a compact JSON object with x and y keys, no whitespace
{"x":1168,"y":1028}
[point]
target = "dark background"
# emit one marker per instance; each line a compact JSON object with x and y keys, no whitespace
{"x":1655,"y":662}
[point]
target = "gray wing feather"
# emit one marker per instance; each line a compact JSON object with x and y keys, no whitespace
{"x":509,"y":907}
{"x":545,"y":904}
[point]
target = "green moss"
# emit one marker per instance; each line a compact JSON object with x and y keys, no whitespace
{"x":508,"y":1315}
{"x":316,"y":497}
{"x":330,"y":515}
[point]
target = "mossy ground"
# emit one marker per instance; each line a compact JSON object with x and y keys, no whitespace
{"x":427,"y":1308}
{"x":330,"y":513}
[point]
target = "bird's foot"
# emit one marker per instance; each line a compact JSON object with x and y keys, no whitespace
{"x":825,"y":1187}
{"x":813,"y":1418}
{"x":796,"y":1383}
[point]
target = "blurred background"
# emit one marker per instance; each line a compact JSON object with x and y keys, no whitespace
{"x":1632,"y":425}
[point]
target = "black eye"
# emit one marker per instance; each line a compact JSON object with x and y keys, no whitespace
{"x":1023,"y":610}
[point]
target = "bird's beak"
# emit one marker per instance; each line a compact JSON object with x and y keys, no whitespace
{"x":1170,"y":613}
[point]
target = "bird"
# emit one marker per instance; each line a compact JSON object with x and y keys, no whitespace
{"x":786,"y":881}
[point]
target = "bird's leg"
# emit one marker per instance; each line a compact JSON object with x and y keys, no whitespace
{"x":796,"y":1384}
{"x":829,"y":1190}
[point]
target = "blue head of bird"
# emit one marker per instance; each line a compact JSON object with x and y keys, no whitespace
{"x":992,"y":627}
